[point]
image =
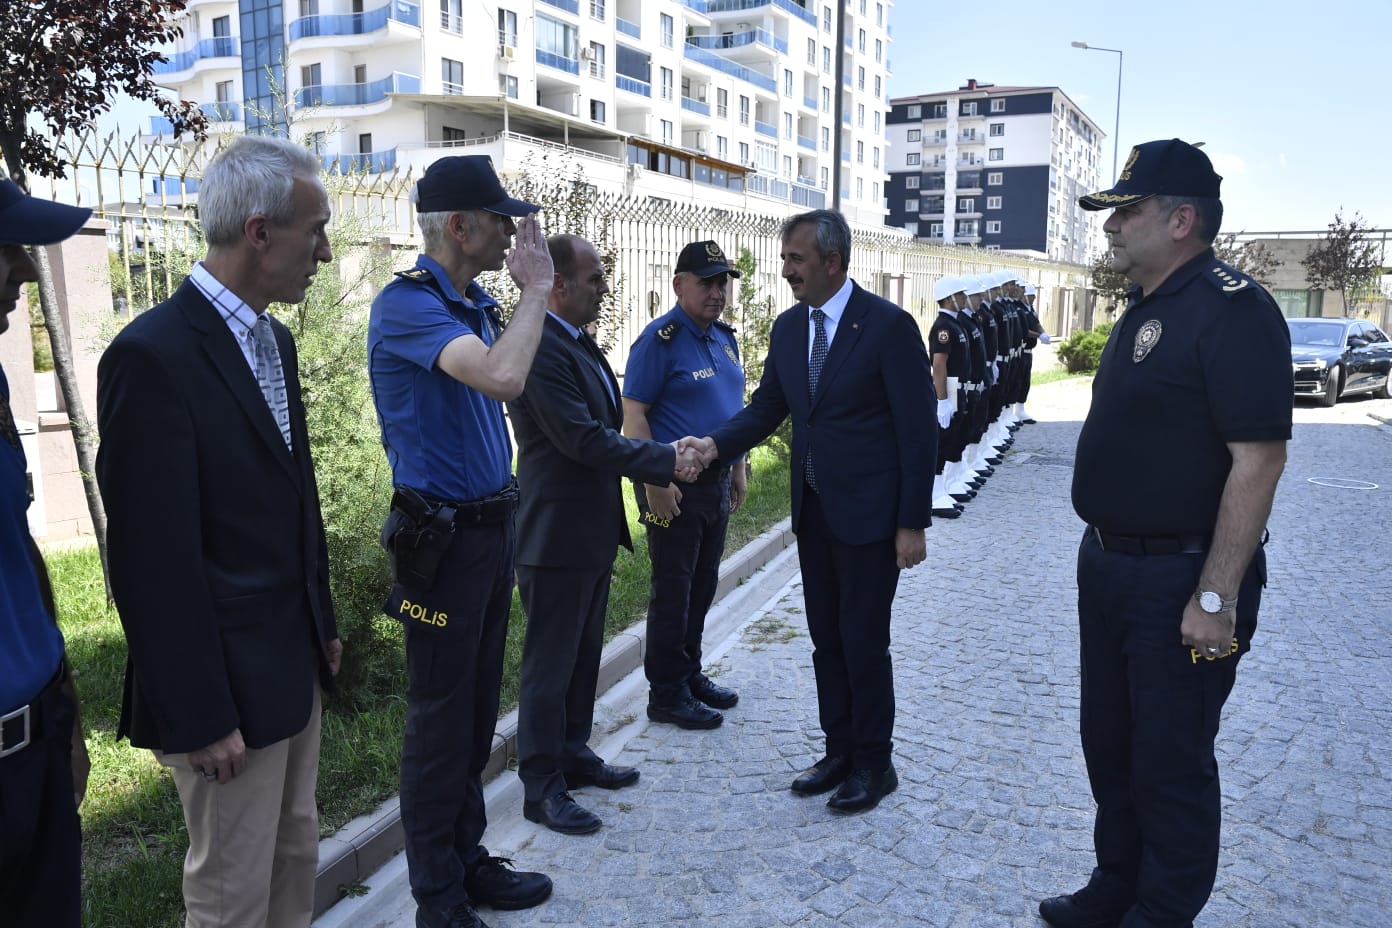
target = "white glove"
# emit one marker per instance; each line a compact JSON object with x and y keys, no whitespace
{"x":995,"y":372}
{"x":944,"y":412}
{"x":1044,"y":337}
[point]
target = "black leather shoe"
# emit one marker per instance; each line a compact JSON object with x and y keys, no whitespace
{"x":863,"y":790}
{"x":605,"y":776}
{"x":495,"y":884}
{"x":459,"y":916}
{"x":704,"y":689}
{"x":686,"y":712}
{"x":561,"y":813}
{"x":947,"y":513}
{"x":1100,"y":904}
{"x":827,"y":773}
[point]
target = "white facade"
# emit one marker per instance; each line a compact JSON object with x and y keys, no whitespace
{"x":726,"y":101}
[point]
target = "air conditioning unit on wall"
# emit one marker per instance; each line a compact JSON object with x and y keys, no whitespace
{"x":506,"y":52}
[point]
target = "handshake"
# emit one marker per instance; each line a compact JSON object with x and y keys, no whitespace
{"x":693,"y":456}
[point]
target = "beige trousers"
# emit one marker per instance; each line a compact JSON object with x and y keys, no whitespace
{"x":254,"y":841}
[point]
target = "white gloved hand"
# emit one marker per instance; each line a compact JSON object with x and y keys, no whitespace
{"x":1044,"y":337}
{"x":995,"y":372}
{"x":944,"y":412}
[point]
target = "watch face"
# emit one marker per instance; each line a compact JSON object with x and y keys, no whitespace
{"x":1210,"y":602}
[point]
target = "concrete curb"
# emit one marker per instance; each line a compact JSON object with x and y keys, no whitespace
{"x":366,"y":843}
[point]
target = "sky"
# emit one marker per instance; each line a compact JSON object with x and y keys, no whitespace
{"x":1289,"y":98}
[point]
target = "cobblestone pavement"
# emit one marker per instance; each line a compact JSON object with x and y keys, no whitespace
{"x":993,"y":811}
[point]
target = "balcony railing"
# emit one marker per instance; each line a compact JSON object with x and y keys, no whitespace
{"x":372,"y":162}
{"x":724,"y":6}
{"x":712,"y":60}
{"x":570,"y":6}
{"x":808,"y":142}
{"x":765,"y":128}
{"x":224,"y":111}
{"x":223,"y":46}
{"x":700,"y":6}
{"x":695,"y":106}
{"x":628,"y":28}
{"x":357,"y":94}
{"x":401,"y":11}
{"x":633,"y":85}
{"x":810,"y":102}
{"x":559,"y":62}
{"x":740,"y":39}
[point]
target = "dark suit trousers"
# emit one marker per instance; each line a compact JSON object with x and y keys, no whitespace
{"x":560,"y":670}
{"x":849,"y":590}
{"x":453,"y":676}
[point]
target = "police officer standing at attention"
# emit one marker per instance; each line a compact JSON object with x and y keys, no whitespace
{"x":947,"y":349}
{"x":1177,"y":464}
{"x":441,"y":367}
{"x":1034,"y":334}
{"x":43,"y":758}
{"x":684,"y":378}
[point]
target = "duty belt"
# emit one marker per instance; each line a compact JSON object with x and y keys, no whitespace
{"x":1152,"y":544}
{"x":495,"y":508}
{"x":24,"y":726}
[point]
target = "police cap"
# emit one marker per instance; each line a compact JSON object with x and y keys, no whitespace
{"x":1168,"y":167}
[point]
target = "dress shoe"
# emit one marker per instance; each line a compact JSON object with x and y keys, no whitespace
{"x":1027,"y":422}
{"x":1100,"y":904}
{"x":863,"y":790}
{"x":495,"y":884}
{"x":605,"y":776}
{"x":964,"y":497}
{"x":685,"y":712}
{"x":827,"y":773}
{"x":561,"y":813}
{"x":459,"y":916}
{"x":704,"y":689}
{"x":947,"y":513}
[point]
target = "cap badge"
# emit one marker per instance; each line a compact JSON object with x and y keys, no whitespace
{"x":1146,"y":339}
{"x":1130,"y":162}
{"x":713,"y":251}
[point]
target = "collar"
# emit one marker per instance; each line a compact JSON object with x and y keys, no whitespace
{"x":574,"y":332}
{"x":231,"y":307}
{"x":1178,"y":278}
{"x":474,"y":295}
{"x":835,"y":306}
{"x":692,"y":325}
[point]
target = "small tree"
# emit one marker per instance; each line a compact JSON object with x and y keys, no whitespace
{"x":1347,"y":260}
{"x":1251,"y":258}
{"x":63,"y":62}
{"x":1110,"y":284}
{"x":753,"y":316}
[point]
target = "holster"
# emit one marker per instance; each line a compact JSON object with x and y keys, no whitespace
{"x":416,"y":535}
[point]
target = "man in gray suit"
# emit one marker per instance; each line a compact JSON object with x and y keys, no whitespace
{"x":570,"y":457}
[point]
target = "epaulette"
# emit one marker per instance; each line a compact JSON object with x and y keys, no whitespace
{"x":722,"y":324}
{"x":418,"y":275}
{"x":665,"y":333}
{"x":1228,"y":279}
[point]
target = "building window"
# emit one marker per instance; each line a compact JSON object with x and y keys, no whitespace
{"x":860,"y":152}
{"x":996,"y":154}
{"x":968,"y":109}
{"x":744,"y":110}
{"x":666,"y":27}
{"x":666,"y":75}
{"x":861,"y":41}
{"x":722,"y":147}
{"x":826,"y":139}
{"x":507,"y":28}
{"x":939,"y":110}
{"x":507,"y":86}
{"x":826,"y":60}
{"x":452,"y":136}
{"x":914,"y":111}
{"x":558,"y":38}
{"x":911,"y":206}
{"x":915,"y":135}
{"x":860,"y":115}
{"x":451,"y":16}
{"x":597,"y":111}
{"x":879,"y":14}
{"x":596,"y":60}
{"x":667,"y":131}
{"x":826,"y":178}
{"x":812,"y":52}
{"x":911,"y":228}
{"x":875,"y":191}
{"x":966,"y":228}
{"x":997,"y":129}
{"x":744,"y":153}
{"x":877,"y":122}
{"x":911,"y":183}
{"x":878,"y":85}
{"x":860,"y":188}
{"x":597,"y":10}
{"x":222,"y":92}
{"x":787,"y":125}
{"x":452,"y":76}
{"x":993,"y":227}
{"x":879,"y":50}
{"x":875,"y":159}
{"x":826,"y":99}
{"x":966,"y":205}
{"x":912,"y":158}
{"x":998,"y":106}
{"x":993,"y":202}
{"x":826,"y":19}
{"x":860,"y":78}
{"x":787,"y":83}
{"x":994,"y":178}
{"x":722,"y":103}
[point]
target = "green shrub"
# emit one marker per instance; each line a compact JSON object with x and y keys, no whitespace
{"x":1081,"y":351}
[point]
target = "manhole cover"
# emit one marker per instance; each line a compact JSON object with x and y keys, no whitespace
{"x":1343,"y":483}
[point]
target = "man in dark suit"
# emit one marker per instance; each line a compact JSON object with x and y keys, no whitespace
{"x":851,"y":370}
{"x":571,"y":520}
{"x":218,"y":561}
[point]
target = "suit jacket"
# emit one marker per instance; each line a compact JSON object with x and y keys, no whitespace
{"x":218,"y":561}
{"x":870,"y":428}
{"x":570,"y":456}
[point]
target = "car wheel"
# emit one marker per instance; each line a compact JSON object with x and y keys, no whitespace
{"x":1331,"y":387}
{"x":1385,"y":391}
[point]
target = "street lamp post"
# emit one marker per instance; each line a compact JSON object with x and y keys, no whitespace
{"x":1116,"y":132}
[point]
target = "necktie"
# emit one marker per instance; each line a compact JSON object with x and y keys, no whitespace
{"x":270,"y":376}
{"x":814,"y":373}
{"x":597,"y":357}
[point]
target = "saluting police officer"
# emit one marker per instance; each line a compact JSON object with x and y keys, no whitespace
{"x":948,"y":351}
{"x":1176,"y":467}
{"x":684,"y":378}
{"x":441,"y":367}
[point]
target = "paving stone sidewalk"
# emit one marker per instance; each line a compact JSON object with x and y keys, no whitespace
{"x":993,"y":810}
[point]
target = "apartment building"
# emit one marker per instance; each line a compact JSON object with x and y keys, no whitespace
{"x":997,"y":167}
{"x":731,"y":102}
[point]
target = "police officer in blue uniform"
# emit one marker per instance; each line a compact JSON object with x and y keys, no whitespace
{"x":43,"y":758}
{"x":441,"y":367}
{"x":684,"y":378}
{"x":1176,"y":468}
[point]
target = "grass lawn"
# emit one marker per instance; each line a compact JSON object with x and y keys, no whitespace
{"x":1055,"y":374}
{"x":133,"y":831}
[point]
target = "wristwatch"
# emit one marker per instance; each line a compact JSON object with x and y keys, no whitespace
{"x":1213,"y":603}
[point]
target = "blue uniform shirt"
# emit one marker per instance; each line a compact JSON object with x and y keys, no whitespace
{"x":30,"y":644}
{"x":691,"y":380}
{"x":444,"y":439}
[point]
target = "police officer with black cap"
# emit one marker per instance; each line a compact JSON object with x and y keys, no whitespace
{"x":684,"y":378}
{"x":1176,"y":468}
{"x":441,"y":367}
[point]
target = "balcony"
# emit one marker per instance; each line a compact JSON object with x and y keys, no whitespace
{"x":787,"y":6}
{"x":766,"y":128}
{"x":808,"y":142}
{"x":700,"y":6}
{"x":559,"y":62}
{"x":799,"y":194}
{"x":633,"y":85}
{"x":971,"y":139}
{"x":570,"y":6}
{"x":810,"y":102}
{"x":374,"y":162}
{"x":222,"y":112}
{"x":714,"y":61}
{"x":223,"y":46}
{"x":354,"y":24}
{"x":934,"y":141}
{"x":695,"y":106}
{"x":732,"y":40}
{"x":628,"y":28}
{"x":356,"y":94}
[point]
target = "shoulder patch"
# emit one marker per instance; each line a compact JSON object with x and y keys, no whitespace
{"x":419,"y":275}
{"x":665,"y":333}
{"x":722,"y":324}
{"x":943,"y":336}
{"x":1228,"y":279}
